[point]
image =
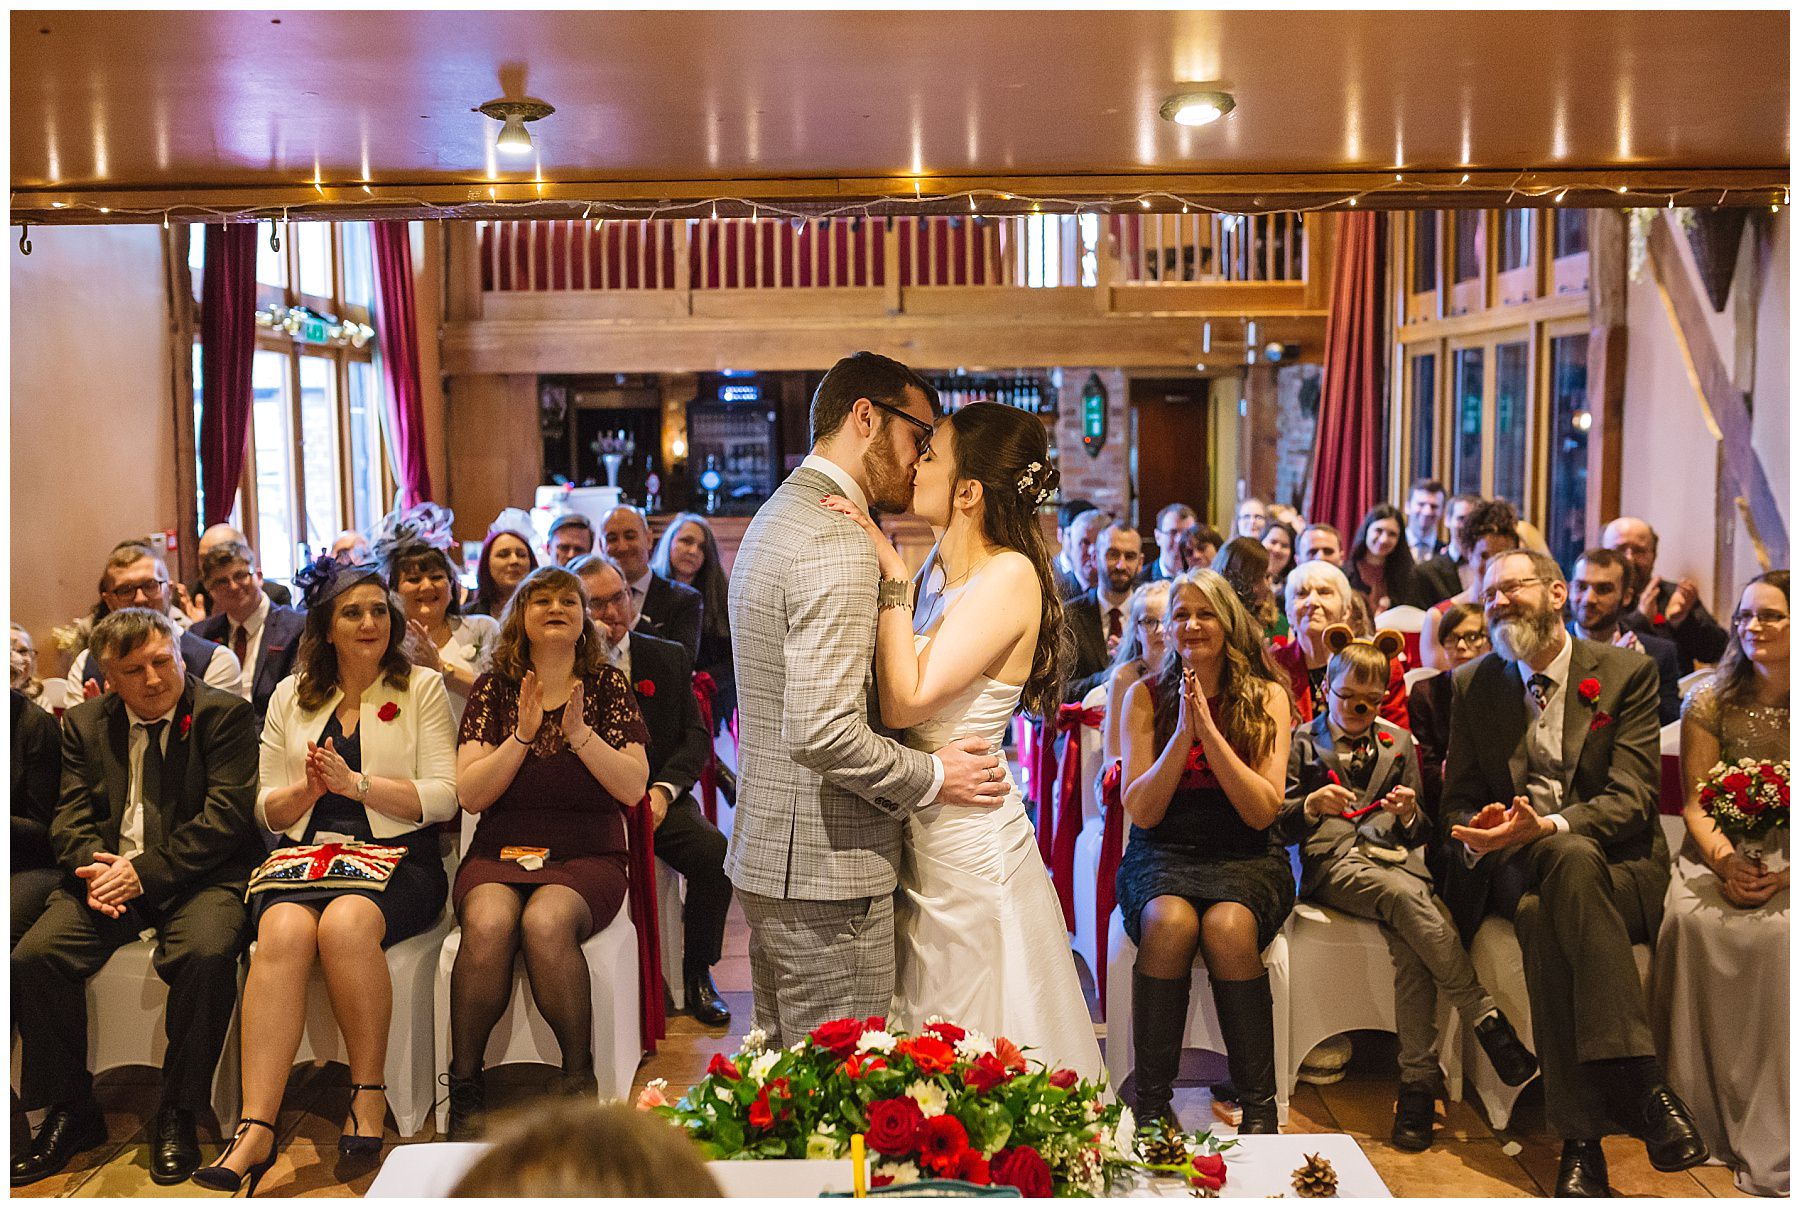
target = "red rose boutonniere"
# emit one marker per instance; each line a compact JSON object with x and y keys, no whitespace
{"x":388,"y":712}
{"x":187,"y":723}
{"x":645,"y":688}
{"x":1589,"y":689}
{"x":1601,"y":719}
{"x":1384,"y":738}
{"x":1659,"y":619}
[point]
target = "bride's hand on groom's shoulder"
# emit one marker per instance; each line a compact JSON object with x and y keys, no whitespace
{"x":893,"y":566}
{"x":972,"y":774}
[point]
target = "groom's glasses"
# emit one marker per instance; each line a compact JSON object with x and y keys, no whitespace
{"x":923,"y":441}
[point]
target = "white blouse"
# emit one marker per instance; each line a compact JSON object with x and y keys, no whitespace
{"x":470,"y":649}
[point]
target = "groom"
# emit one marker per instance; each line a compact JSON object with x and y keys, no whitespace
{"x":823,"y":791}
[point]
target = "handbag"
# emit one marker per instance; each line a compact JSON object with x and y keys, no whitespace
{"x":353,"y":865}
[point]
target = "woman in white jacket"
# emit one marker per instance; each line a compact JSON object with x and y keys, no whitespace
{"x":358,"y":745}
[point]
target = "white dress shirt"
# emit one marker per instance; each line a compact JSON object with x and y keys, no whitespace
{"x":131,"y":826}
{"x":620,"y":657}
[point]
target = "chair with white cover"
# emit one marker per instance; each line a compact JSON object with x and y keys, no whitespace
{"x":671,"y":893}
{"x":1340,"y":979}
{"x":1417,"y":675}
{"x":1087,"y":844}
{"x":1403,"y":617}
{"x":1202,"y":1031}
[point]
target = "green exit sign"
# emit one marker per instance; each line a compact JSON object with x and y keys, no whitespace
{"x":1093,"y":415}
{"x":314,"y":331}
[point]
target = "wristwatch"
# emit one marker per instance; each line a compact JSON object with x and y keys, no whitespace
{"x":362,"y":787}
{"x":893,"y":593}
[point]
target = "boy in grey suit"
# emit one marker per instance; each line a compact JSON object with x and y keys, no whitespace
{"x":822,"y":793}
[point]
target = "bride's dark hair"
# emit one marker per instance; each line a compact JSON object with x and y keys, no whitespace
{"x":1006,"y":451}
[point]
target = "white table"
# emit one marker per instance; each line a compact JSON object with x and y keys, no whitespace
{"x":1257,"y":1167}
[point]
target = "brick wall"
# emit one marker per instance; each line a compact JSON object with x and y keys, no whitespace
{"x":1105,"y":479}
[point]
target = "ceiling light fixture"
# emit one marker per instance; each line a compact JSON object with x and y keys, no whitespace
{"x":1197,"y":108}
{"x":513,"y":138}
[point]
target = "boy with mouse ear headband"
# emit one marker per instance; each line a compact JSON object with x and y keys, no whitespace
{"x":1353,"y":804}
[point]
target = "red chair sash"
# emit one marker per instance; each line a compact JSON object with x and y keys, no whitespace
{"x":641,"y":878}
{"x":705,"y":689}
{"x":1070,"y":720}
{"x":1112,"y":850}
{"x":1674,"y":792}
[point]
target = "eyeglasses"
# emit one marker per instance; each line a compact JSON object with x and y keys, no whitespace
{"x":1466,"y":641}
{"x":130,"y":591}
{"x":923,"y":442}
{"x":1768,"y":618}
{"x":241,"y":579}
{"x":1510,"y":589}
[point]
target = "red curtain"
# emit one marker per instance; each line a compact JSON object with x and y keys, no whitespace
{"x":227,"y":345}
{"x":397,"y":321}
{"x":1348,"y":479}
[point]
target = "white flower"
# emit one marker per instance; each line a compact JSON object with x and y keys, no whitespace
{"x":724,"y":1093}
{"x":930,"y":1097}
{"x":901,"y":1172}
{"x":875,"y":1042}
{"x":754,"y":1041}
{"x":972,"y":1045}
{"x":1125,"y":1135}
{"x":765,"y":1061}
{"x":822,"y":1148}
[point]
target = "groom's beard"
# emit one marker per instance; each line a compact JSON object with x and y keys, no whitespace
{"x":890,"y":486}
{"x":1522,"y":638}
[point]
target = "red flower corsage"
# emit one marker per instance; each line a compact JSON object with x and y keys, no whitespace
{"x":1602,"y":718}
{"x":1660,"y":619}
{"x":1384,"y":738}
{"x":388,"y":712}
{"x":646,"y":688}
{"x":187,"y":723}
{"x":1589,"y":689}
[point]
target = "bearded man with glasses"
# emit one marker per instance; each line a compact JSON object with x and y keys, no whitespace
{"x":135,"y":576}
{"x":1551,"y":786}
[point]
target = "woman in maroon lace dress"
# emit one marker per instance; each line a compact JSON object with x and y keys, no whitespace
{"x":551,"y":754}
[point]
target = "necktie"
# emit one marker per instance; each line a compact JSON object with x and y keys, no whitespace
{"x":1540,"y":686}
{"x":1115,"y":624}
{"x":150,"y":783}
{"x":240,"y":642}
{"x":1362,"y":758}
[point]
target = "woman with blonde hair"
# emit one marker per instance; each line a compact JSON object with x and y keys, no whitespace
{"x":579,"y":1149}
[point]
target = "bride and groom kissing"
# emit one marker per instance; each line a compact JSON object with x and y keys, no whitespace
{"x":871,"y":711}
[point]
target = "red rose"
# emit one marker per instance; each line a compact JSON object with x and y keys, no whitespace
{"x":857,"y":1065}
{"x":1384,"y":738}
{"x":894,"y":1126}
{"x":1062,"y":1080}
{"x":949,"y":1033}
{"x":1589,"y":689}
{"x":932,"y":1055}
{"x":1767,"y":772}
{"x":388,"y":712}
{"x":760,"y":1115}
{"x":880,"y":1180}
{"x":187,"y":723}
{"x":1021,"y":1167}
{"x":942,"y":1143}
{"x":1749,"y":803}
{"x":723,"y":1067}
{"x":985,"y":1074}
{"x":1783,"y":793}
{"x":973,"y":1168}
{"x":646,"y":688}
{"x":1208,"y":1171}
{"x":1707,"y":793}
{"x":837,"y":1037}
{"x":1735,"y":782}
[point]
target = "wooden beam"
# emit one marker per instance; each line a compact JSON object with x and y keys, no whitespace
{"x":1726,"y":408}
{"x":1608,"y":259}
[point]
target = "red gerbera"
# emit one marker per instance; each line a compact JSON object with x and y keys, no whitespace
{"x":932,"y":1055}
{"x":942,"y":1143}
{"x":859,"y":1064}
{"x":973,"y":1168}
{"x":1009,"y":1055}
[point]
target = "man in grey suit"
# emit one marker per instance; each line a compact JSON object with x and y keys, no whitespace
{"x":823,"y":792}
{"x":1551,"y":785}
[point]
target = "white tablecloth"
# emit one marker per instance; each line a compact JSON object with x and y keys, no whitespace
{"x":1257,"y":1167}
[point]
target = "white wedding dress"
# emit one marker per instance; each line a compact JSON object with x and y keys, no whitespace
{"x":979,"y":928}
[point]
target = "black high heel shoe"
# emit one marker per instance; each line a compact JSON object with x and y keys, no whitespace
{"x":353,"y":1144}
{"x":218,"y":1177}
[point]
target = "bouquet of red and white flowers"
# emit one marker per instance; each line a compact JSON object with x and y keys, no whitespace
{"x":1747,"y":800}
{"x":945,"y":1104}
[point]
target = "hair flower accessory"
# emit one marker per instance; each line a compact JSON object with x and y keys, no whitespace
{"x":325,"y":578}
{"x":1589,"y":689}
{"x":421,"y":524}
{"x":1038,"y":483}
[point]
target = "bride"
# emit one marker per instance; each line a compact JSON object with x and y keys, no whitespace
{"x":980,"y":932}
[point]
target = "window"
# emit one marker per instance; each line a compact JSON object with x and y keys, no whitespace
{"x":1512,"y":393}
{"x":1424,"y":415}
{"x":1569,"y":424}
{"x":367,"y":497}
{"x":1468,"y":244}
{"x":1466,"y":467}
{"x":1571,"y":233}
{"x":272,"y":447}
{"x":1515,"y":239}
{"x":319,"y":450}
{"x":1425,"y":252}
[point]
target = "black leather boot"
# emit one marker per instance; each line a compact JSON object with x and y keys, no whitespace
{"x":468,"y":1099}
{"x":1159,"y":1007}
{"x":1247,"y":1018}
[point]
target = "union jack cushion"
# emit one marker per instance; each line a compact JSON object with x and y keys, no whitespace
{"x":326,"y":866}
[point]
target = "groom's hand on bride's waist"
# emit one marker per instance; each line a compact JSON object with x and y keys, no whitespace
{"x":972,"y":775}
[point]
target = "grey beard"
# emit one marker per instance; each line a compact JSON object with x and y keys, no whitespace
{"x":1522,"y":639}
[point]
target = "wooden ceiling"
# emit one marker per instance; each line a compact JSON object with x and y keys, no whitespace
{"x":149,"y":109}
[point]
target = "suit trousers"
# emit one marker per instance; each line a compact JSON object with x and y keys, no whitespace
{"x":31,"y":890}
{"x":693,"y":847}
{"x":814,"y":961}
{"x":199,"y":939}
{"x":1428,"y":954}
{"x":1577,"y":918}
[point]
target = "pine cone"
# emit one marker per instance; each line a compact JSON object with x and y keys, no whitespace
{"x":1316,"y":1179}
{"x":1162,"y":1146}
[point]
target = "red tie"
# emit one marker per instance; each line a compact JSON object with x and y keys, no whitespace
{"x":240,"y":639}
{"x":1115,"y":625}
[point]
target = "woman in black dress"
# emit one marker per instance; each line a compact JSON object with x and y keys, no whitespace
{"x":358,"y":745}
{"x":1206,"y":748}
{"x":552,"y":753}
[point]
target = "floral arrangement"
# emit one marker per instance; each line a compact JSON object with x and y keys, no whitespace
{"x":1746,"y":799}
{"x":947,"y":1103}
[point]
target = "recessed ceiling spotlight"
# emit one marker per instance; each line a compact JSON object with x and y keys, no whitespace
{"x":1197,"y":108}
{"x":513,"y":138}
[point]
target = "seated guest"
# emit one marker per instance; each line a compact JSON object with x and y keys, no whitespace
{"x":1252,"y":518}
{"x":661,"y":609}
{"x":663,"y":680}
{"x":1719,"y":987}
{"x":584,"y":1150}
{"x":506,"y":558}
{"x":1348,"y":763}
{"x":155,"y":828}
{"x":550,"y":757}
{"x":1171,"y":523}
{"x":1139,"y":655}
{"x":1199,"y":546}
{"x":1461,"y":636}
{"x":358,"y":746}
{"x":1599,"y":597}
{"x":135,"y":576}
{"x":571,"y":536}
{"x":262,"y":636}
{"x":1321,"y":543}
{"x":1067,"y":557}
{"x":688,"y":554}
{"x":1079,"y":541}
{"x":1449,"y":572}
{"x":1489,"y":529}
{"x":351,"y":548}
{"x":1278,"y":539}
{"x":437,"y":635}
{"x":1245,"y":564}
{"x":194,"y":600}
{"x":36,"y":776}
{"x":1318,"y":597}
{"x":1286,"y":515}
{"x":1424,"y":508}
{"x":1668,"y":610}
{"x":1206,"y":749}
{"x":1095,"y":620}
{"x":24,"y":666}
{"x":1551,"y":788}
{"x":1380,"y":565}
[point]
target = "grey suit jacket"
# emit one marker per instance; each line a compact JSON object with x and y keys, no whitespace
{"x":1311,"y":759}
{"x":822,"y":795}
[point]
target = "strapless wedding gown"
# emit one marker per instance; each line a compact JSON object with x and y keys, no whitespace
{"x":980,"y":932}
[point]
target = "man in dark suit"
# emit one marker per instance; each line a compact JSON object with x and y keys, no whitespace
{"x":1442,"y":576}
{"x":1424,"y":508}
{"x":662,"y":609}
{"x":1598,"y":596}
{"x":1668,"y":610}
{"x":1551,"y":787}
{"x":198,"y":603}
{"x":1077,"y":565}
{"x":263,"y":635}
{"x":1172,"y":524}
{"x":155,"y":829}
{"x":1095,"y":621}
{"x":663,"y":676}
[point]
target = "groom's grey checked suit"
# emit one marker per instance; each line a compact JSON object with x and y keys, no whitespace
{"x":823,"y":792}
